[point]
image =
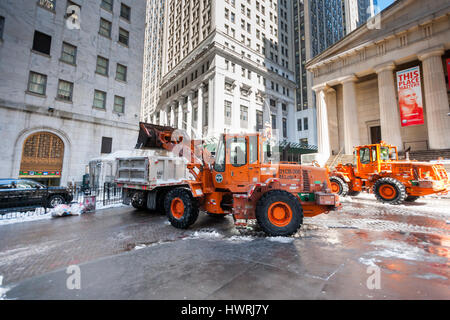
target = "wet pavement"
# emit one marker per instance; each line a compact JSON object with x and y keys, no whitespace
{"x":367,"y":250}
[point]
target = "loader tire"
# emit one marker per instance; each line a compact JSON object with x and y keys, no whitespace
{"x":339,"y":186}
{"x":139,"y":201}
{"x":389,"y":190}
{"x":279,"y":213}
{"x":411,"y":198}
{"x":181,"y":208}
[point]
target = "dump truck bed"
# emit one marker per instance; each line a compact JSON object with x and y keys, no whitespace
{"x":151,"y":170}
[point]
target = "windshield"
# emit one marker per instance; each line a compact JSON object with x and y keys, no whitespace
{"x":384,"y":153}
{"x":219,"y":164}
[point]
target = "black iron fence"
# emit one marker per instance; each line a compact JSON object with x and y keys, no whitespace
{"x":106,"y":195}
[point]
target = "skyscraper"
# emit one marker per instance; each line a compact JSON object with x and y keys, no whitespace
{"x":222,"y":61}
{"x":357,"y":12}
{"x":318,"y":24}
{"x":154,"y":27}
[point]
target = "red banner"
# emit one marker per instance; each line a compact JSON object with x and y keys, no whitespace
{"x":410,"y":97}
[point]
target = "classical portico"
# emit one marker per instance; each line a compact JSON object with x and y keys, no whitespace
{"x":355,"y":81}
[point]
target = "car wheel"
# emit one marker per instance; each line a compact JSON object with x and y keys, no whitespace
{"x":55,"y":201}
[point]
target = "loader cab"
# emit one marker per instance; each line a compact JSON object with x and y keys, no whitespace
{"x":370,"y":158}
{"x":237,"y":162}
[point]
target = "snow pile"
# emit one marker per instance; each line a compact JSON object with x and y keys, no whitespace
{"x":67,"y":210}
{"x":281,"y":239}
{"x":205,"y":235}
{"x":240,"y":238}
{"x":15,"y":217}
{"x":369,"y":261}
{"x":401,"y":250}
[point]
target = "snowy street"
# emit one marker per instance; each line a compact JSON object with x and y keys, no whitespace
{"x":366,"y":250}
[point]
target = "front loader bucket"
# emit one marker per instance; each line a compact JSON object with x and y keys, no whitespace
{"x":152,"y":136}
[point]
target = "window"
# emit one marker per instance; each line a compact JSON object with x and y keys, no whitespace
{"x":227,"y":112}
{"x":124,"y":36}
{"x":37,"y":83}
{"x":244,"y":117}
{"x":259,"y":120}
{"x":105,"y":28}
{"x":125,"y":11}
{"x":2,"y":27}
{"x":42,"y":42}
{"x":106,"y":145}
{"x":253,"y":149}
{"x":304,"y":141}
{"x":305,"y":123}
{"x":121,"y":72}
{"x":99,"y":99}
{"x":119,"y":104}
{"x":284,"y":128}
{"x":274,"y":121}
{"x":107,"y":5}
{"x":364,"y":155}
{"x":238,"y":151}
{"x":65,"y":90}
{"x":69,"y":53}
{"x":102,"y":66}
{"x":299,"y":124}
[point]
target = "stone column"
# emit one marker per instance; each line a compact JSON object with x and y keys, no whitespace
{"x":436,"y":99}
{"x":279,"y":120}
{"x":211,"y":108}
{"x":389,"y":111}
{"x":180,"y":113}
{"x":292,"y":124}
{"x":200,"y":111}
{"x":323,"y":137}
{"x":351,"y":124}
{"x":333,"y":125}
{"x":189,"y":115}
{"x":172,"y":115}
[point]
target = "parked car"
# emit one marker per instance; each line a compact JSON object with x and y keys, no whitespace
{"x":24,"y":194}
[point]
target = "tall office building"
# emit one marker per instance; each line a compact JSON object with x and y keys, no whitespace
{"x":318,"y":24}
{"x":154,"y":27}
{"x":70,"y":88}
{"x":357,"y":12}
{"x":226,"y":66}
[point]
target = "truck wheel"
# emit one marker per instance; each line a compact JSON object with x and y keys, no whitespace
{"x":389,"y":190}
{"x":279,"y":213}
{"x":139,"y":201}
{"x":411,"y":198}
{"x":339,"y":186}
{"x":181,"y":208}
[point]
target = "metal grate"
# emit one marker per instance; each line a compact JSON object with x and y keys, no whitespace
{"x":306,"y":182}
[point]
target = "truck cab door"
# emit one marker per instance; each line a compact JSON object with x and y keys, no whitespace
{"x":237,"y":162}
{"x":367,"y":161}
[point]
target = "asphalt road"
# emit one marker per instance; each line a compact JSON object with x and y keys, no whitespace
{"x":364,"y":251}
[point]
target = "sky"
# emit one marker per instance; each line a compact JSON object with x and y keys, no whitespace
{"x":383,"y":4}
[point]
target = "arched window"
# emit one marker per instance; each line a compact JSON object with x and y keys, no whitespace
{"x":42,"y":155}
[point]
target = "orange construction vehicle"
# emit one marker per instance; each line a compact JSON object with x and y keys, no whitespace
{"x":393,"y":181}
{"x":242,"y":180}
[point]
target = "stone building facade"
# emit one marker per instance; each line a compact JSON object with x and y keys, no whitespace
{"x":70,"y":88}
{"x":356,"y":85}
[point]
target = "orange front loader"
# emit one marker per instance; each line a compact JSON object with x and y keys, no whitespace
{"x":242,"y":181}
{"x":393,"y":181}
